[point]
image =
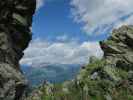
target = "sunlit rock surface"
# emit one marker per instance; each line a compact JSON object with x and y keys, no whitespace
{"x":118,"y":49}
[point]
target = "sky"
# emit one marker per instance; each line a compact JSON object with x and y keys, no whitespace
{"x":68,"y":31}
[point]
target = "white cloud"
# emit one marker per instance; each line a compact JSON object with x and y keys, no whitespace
{"x":62,"y":38}
{"x":40,"y":3}
{"x":128,"y":21}
{"x":101,"y":15}
{"x":43,"y":52}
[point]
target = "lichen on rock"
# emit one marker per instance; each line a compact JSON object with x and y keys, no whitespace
{"x":15,"y":34}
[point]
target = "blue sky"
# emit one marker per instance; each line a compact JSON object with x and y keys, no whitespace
{"x":55,"y":19}
{"x":68,"y":31}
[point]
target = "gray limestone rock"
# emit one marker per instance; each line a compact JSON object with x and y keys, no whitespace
{"x":118,"y":49}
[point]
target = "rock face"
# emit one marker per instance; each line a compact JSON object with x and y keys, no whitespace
{"x":118,"y":49}
{"x":15,"y":34}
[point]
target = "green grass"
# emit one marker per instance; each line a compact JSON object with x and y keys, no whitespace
{"x":111,"y":82}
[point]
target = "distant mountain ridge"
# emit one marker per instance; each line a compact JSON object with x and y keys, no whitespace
{"x":52,"y":73}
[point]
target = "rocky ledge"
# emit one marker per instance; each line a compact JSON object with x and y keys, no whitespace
{"x":15,"y":34}
{"x":118,"y":49}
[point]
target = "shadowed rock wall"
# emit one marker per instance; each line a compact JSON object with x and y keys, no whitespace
{"x":15,"y":34}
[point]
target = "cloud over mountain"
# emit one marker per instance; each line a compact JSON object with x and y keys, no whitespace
{"x":100,"y":16}
{"x":41,"y":52}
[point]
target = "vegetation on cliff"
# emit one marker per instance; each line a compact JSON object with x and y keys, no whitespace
{"x":95,"y":82}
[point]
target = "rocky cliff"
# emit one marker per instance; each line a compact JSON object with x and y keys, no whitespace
{"x":15,"y":34}
{"x":118,"y":49}
{"x":110,"y":78}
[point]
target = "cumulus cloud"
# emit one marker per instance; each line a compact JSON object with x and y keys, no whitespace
{"x":43,"y":52}
{"x":40,"y":3}
{"x":100,"y":16}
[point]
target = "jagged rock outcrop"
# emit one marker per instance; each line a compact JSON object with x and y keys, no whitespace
{"x":109,"y":78}
{"x":118,"y":49}
{"x":15,"y":34}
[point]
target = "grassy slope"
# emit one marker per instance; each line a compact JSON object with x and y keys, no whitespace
{"x":96,"y":81}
